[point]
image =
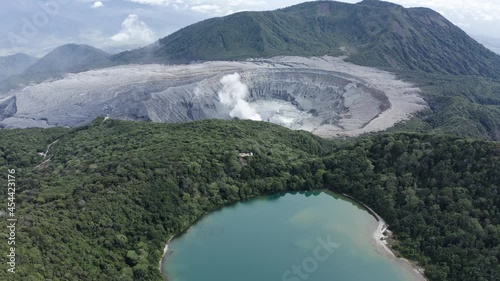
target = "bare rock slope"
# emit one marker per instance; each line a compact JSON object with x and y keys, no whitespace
{"x":326,"y":95}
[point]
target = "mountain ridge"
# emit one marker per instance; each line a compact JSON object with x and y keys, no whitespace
{"x":15,"y":64}
{"x":460,"y":78}
{"x":68,"y":58}
{"x":57,"y":61}
{"x":372,"y":33}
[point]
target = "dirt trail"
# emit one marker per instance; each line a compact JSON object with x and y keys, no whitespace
{"x":46,"y":154}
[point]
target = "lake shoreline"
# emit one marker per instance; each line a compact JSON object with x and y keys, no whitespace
{"x":165,"y":251}
{"x":380,"y":238}
{"x":381,"y":243}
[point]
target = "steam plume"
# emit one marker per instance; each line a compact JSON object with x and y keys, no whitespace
{"x":233,"y":94}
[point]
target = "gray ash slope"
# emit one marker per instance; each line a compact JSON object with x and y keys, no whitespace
{"x":323,"y":95}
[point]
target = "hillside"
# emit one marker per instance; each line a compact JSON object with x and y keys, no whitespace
{"x":102,"y":208}
{"x":70,"y":58}
{"x":459,"y":77}
{"x":14,"y":64}
{"x":371,"y":33}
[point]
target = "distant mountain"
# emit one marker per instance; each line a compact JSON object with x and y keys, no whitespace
{"x":491,"y":43}
{"x":372,"y":33}
{"x":14,"y":64}
{"x":70,"y":58}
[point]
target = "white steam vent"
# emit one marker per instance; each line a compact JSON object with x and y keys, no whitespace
{"x":233,"y":95}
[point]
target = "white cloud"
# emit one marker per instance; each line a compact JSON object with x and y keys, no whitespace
{"x":462,"y":24}
{"x":482,"y":10}
{"x":480,"y":17}
{"x":152,"y":2}
{"x":207,"y":9}
{"x":486,"y":10}
{"x":134,"y":31}
{"x":216,"y":7}
{"x":97,"y":4}
{"x":477,"y":16}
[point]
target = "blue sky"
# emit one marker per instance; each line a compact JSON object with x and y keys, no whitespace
{"x":37,"y":26}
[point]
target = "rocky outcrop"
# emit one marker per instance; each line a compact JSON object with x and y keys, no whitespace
{"x":7,"y":107}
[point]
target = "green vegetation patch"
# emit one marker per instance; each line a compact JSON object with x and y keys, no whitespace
{"x":113,"y":192}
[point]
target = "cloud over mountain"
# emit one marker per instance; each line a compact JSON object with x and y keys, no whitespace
{"x":134,"y":31}
{"x":97,"y":4}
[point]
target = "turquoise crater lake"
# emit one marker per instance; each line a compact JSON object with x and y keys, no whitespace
{"x":315,"y":236}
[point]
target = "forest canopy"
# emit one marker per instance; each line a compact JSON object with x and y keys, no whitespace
{"x":105,"y":199}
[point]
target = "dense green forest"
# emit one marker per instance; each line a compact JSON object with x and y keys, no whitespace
{"x":467,"y":106}
{"x":113,"y":192}
{"x":103,"y":202}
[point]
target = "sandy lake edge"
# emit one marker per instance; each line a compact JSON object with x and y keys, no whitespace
{"x":381,"y":243}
